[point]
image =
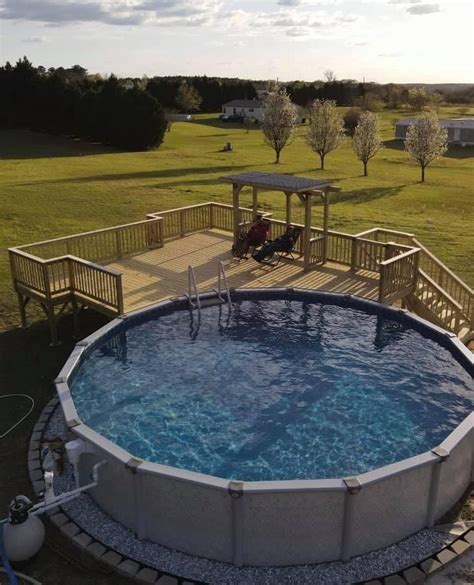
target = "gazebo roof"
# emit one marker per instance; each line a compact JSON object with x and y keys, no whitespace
{"x":279,"y":182}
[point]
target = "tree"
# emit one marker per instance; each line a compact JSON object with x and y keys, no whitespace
{"x":370,"y":101}
{"x":330,"y":76}
{"x":326,"y":128}
{"x":367,"y":139}
{"x":351,"y":119}
{"x":188,"y":98}
{"x":418,"y":98}
{"x":426,"y":141}
{"x":279,"y":121}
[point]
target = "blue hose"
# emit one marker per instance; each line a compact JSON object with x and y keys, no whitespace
{"x":5,"y":562}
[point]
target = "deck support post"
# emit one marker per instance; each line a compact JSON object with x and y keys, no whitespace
{"x":325,"y":196}
{"x":307,"y":231}
{"x":255,"y":202}
{"x":53,"y":329}
{"x":288,"y":208}
{"x":75,"y":318}
{"x":22,"y":302}
{"x":236,"y":209}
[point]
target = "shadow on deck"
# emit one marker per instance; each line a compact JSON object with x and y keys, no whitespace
{"x":158,"y":274}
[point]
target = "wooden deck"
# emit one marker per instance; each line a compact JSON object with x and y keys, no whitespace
{"x":158,"y":274}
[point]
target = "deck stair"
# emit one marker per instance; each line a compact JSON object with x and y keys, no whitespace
{"x":431,"y":301}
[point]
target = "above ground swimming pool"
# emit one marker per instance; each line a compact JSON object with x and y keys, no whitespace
{"x":271,"y":415}
{"x":276,"y":389}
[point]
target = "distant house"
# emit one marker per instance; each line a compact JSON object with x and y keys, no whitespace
{"x":250,"y":109}
{"x":246,"y":108}
{"x":460,"y":130}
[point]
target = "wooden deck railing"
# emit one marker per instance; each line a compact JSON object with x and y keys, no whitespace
{"x":60,"y":279}
{"x":316,"y":248}
{"x":66,"y":265}
{"x":398,"y":276}
{"x":432,"y":266}
{"x":102,"y":245}
{"x":448,"y":281}
{"x":447,"y":311}
{"x":96,"y":283}
{"x":27,"y":271}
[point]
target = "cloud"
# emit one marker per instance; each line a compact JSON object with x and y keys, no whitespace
{"x":389,"y":55}
{"x":423,"y":9}
{"x":405,"y":1}
{"x":290,"y":2}
{"x":118,"y":12}
{"x":34,"y":40}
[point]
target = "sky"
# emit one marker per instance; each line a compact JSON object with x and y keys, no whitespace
{"x":373,"y":40}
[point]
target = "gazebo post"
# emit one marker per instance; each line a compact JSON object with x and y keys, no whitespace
{"x":325,"y":196}
{"x":288,"y":208}
{"x":307,"y":231}
{"x":236,"y":188}
{"x":255,"y":202}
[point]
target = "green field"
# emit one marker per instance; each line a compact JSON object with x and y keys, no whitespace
{"x":54,"y":186}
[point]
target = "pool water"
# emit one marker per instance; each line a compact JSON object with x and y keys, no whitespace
{"x":274,"y":390}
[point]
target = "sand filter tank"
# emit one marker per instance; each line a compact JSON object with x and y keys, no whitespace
{"x":23,"y":534}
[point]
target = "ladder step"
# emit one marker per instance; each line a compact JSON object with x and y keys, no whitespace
{"x":212,"y":302}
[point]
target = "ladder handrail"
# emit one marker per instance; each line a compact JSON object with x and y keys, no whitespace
{"x":193,"y":285}
{"x":221,"y":274}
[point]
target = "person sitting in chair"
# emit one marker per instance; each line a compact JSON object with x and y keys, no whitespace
{"x":283,"y":243}
{"x":255,"y":236}
{"x":258,"y":231}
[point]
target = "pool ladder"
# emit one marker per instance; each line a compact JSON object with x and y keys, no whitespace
{"x":222,"y":292}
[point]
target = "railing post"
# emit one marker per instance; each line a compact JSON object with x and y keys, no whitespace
{"x":72,"y":279}
{"x":118,"y":243}
{"x":211,"y":215}
{"x":416,"y":269}
{"x":47,"y":284}
{"x":382,"y":278}
{"x":181,"y":223}
{"x":118,"y":284}
{"x":354,"y":254}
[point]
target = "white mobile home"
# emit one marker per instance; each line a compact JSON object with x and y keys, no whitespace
{"x":251,"y":109}
{"x":460,"y":130}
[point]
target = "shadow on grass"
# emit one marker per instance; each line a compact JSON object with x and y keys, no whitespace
{"x":394,"y":144}
{"x":366,"y":195}
{"x":454,"y":150}
{"x":460,"y":152}
{"x":25,"y":144}
{"x":157,"y":174}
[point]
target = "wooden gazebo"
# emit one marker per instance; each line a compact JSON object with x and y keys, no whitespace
{"x":304,"y":187}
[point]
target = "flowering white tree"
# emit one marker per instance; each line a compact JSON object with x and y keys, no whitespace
{"x":326,"y":128}
{"x":367,"y":139}
{"x":279,"y":121}
{"x":426,"y":141}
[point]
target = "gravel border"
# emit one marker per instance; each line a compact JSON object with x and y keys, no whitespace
{"x":410,"y":561}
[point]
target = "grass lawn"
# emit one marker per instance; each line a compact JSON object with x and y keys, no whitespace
{"x":54,"y":186}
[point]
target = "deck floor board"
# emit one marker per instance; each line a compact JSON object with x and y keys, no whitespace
{"x":154,"y":275}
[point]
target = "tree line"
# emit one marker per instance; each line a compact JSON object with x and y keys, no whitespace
{"x":68,"y":101}
{"x":133,"y":113}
